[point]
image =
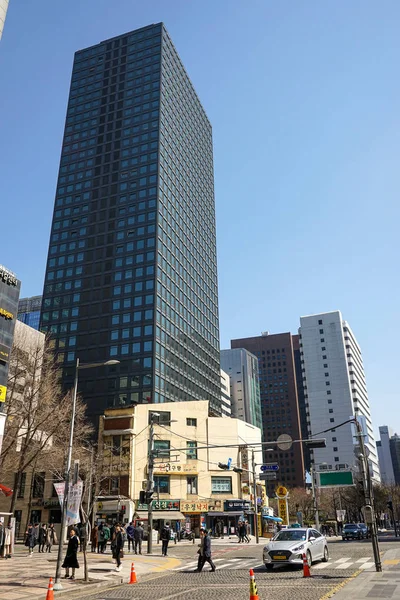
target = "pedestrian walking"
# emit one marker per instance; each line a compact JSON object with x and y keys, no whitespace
{"x":30,"y":540}
{"x":248,"y":532}
{"x":42,"y":536}
{"x":165,"y":537}
{"x":118,"y":546}
{"x":106,"y":537}
{"x":130,"y":531}
{"x":51,"y":537}
{"x":94,"y":538}
{"x":205,"y":551}
{"x":71,"y":557}
{"x":242,"y":532}
{"x":138,"y":536}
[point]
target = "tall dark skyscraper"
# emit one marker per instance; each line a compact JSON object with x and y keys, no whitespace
{"x":279,"y":403}
{"x":131,"y":272}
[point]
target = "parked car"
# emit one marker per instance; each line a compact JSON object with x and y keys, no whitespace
{"x":288,"y":546}
{"x":352,"y":531}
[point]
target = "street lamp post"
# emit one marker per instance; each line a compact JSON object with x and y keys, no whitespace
{"x":368,"y":492}
{"x":78,"y":367}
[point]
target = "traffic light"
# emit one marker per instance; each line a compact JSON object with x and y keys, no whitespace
{"x":123,"y":508}
{"x":317,"y":443}
{"x":223,"y":466}
{"x":149,"y":497}
{"x":390,"y":505}
{"x":237,"y":469}
{"x":142,"y":497}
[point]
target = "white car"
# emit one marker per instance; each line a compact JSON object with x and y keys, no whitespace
{"x":288,"y":546}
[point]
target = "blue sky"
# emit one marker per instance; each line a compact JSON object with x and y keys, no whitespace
{"x":304,"y":102}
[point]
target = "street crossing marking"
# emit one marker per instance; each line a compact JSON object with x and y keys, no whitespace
{"x":361,"y":560}
{"x":223,"y":563}
{"x":367,"y":565}
{"x":321,"y":565}
{"x":343,"y":560}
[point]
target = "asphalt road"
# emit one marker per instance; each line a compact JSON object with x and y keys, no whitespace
{"x":231,"y":580}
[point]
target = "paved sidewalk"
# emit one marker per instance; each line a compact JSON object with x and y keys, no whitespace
{"x":372,"y":585}
{"x":23,"y":577}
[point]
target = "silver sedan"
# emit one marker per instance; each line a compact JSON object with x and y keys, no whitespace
{"x":288,"y":546}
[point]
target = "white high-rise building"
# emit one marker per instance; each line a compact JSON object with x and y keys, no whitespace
{"x":3,"y":12}
{"x":335,"y":389}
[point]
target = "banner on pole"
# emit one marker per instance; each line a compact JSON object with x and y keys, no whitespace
{"x":74,"y":500}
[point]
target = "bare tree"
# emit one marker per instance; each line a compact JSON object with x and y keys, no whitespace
{"x":38,"y":413}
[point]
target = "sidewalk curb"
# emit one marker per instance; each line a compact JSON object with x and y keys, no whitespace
{"x":340,"y":585}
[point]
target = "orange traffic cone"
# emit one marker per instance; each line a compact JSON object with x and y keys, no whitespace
{"x":50,"y":593}
{"x":133,"y":575}
{"x":253,"y":587}
{"x":306,"y":568}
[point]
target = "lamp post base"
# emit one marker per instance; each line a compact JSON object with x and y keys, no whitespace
{"x":57,"y":586}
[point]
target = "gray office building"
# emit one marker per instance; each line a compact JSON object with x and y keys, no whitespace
{"x":132,"y":271}
{"x":242,"y":368}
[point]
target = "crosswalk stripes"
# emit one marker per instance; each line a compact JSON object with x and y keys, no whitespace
{"x":345,"y":563}
{"x":223,"y":563}
{"x":240,"y":563}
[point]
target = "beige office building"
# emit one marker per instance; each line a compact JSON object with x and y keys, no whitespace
{"x":190,"y":489}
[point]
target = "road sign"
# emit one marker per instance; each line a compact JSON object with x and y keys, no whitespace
{"x":267,"y":476}
{"x":269,"y":467}
{"x":335,"y":478}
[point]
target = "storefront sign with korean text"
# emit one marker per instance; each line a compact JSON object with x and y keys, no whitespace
{"x":175,"y":468}
{"x":236,"y":505}
{"x":194,"y":507}
{"x":161,"y":505}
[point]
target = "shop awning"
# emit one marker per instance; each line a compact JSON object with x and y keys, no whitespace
{"x":167,"y":515}
{"x":276,"y":519}
{"x":229,"y":513}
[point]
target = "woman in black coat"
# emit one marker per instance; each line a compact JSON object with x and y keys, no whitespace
{"x":30,"y":540}
{"x":71,"y":558}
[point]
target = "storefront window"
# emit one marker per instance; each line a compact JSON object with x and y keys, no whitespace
{"x":220,"y":485}
{"x":161,"y":484}
{"x":191,"y":485}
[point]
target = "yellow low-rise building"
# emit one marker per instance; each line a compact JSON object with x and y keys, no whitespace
{"x":190,"y":490}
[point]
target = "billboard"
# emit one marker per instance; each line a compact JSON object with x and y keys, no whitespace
{"x":10,"y":288}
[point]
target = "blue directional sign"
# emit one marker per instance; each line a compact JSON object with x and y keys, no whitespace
{"x":229,"y":463}
{"x":269,"y":467}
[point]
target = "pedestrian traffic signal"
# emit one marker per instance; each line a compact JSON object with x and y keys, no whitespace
{"x":142,"y":497}
{"x":149,"y":497}
{"x":390,"y":505}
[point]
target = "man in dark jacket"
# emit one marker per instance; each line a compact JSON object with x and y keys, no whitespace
{"x":130,"y":534}
{"x":165,"y":537}
{"x":138,"y":535}
{"x":205,"y":551}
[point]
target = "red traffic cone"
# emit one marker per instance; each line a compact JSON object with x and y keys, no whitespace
{"x":306,"y":568}
{"x":50,"y":593}
{"x":133,"y":578}
{"x":253,"y":587}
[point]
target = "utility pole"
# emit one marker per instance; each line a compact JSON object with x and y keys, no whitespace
{"x":315,"y":499}
{"x":253,"y":466}
{"x":150,"y":487}
{"x":369,"y":495}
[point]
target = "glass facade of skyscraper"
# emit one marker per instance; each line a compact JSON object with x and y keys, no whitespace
{"x":29,"y":311}
{"x":131,"y":272}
